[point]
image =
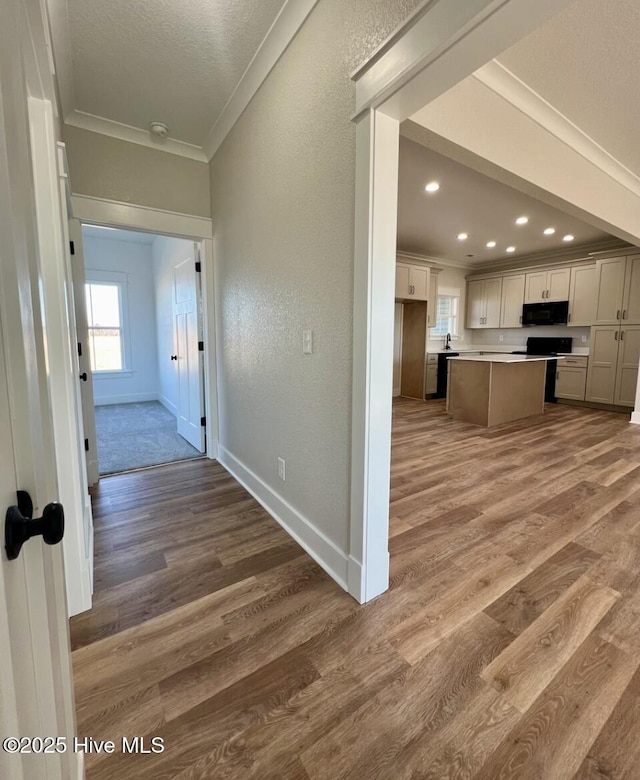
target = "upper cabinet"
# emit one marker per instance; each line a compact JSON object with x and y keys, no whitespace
{"x":618,"y":291}
{"x":483,"y":303}
{"x":412,"y":282}
{"x":583,"y":295}
{"x":512,"y":299}
{"x":550,"y":285}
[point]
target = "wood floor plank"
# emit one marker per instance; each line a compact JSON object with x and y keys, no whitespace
{"x":507,"y":642}
{"x":527,"y":666}
{"x":553,"y":738}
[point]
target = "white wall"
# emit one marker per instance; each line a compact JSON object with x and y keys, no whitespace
{"x":283,"y":194}
{"x":166,"y":253}
{"x":140,"y":383}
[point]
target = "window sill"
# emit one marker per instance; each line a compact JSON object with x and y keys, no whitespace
{"x":112,"y":374}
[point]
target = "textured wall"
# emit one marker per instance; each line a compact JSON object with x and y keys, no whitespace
{"x":118,"y":170}
{"x":283,"y":188}
{"x":134,"y":260}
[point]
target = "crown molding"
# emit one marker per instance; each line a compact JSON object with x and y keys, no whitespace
{"x":283,"y":30}
{"x":509,"y":87}
{"x":134,"y":135}
{"x":550,"y":257}
{"x":290,"y":19}
{"x":432,"y":260}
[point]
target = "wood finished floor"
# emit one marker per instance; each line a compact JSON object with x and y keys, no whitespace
{"x":507,"y":647}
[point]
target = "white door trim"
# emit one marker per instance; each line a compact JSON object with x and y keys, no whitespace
{"x":114,"y":213}
{"x":441,"y":44}
{"x":111,"y":213}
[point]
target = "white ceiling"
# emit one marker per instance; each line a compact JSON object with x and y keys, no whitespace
{"x":586,"y":63}
{"x":469,"y":202}
{"x":137,"y":61}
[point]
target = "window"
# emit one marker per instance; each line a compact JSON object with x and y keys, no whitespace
{"x":446,"y":316}
{"x":104,"y":315}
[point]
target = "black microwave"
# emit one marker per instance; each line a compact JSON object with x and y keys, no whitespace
{"x":549,"y":313}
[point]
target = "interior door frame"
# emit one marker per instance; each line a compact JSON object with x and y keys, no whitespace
{"x":127,"y":216}
{"x":437,"y":47}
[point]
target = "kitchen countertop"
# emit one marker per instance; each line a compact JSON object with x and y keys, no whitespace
{"x":502,"y":358}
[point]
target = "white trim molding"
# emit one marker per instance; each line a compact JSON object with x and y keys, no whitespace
{"x":289,"y":20}
{"x":509,"y":87}
{"x":328,"y":555}
{"x":635,"y":418}
{"x":292,"y":16}
{"x":134,"y":135}
{"x":114,"y":213}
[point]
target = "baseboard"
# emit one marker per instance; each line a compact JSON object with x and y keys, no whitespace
{"x":396,"y":392}
{"x":594,"y":405}
{"x":130,"y":398}
{"x":635,"y":418}
{"x":170,"y":407}
{"x":80,"y":766}
{"x":333,"y":560}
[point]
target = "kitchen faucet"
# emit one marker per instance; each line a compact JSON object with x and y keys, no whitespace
{"x":447,"y":343}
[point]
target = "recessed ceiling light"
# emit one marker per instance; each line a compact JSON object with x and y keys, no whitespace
{"x":522,"y":220}
{"x":511,"y":249}
{"x":490,"y":244}
{"x":568,"y":237}
{"x":549,"y":231}
{"x":433,"y":186}
{"x":462,"y":236}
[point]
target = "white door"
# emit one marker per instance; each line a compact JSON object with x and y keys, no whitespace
{"x":36,"y":695}
{"x":56,"y":285}
{"x":84,"y":361}
{"x":189,"y":361}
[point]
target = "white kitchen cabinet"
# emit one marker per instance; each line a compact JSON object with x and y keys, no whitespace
{"x":433,"y":299}
{"x":484,"y":298}
{"x":603,"y":364}
{"x":550,"y":285}
{"x":613,"y":364}
{"x":571,"y":377}
{"x":512,"y":300}
{"x":618,"y":298}
{"x":571,"y":383}
{"x":583,"y":295}
{"x":412,"y":282}
{"x":627,"y":367}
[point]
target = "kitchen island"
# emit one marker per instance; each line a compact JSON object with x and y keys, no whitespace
{"x":493,"y":389}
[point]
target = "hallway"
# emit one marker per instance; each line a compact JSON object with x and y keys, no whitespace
{"x":506,"y":647}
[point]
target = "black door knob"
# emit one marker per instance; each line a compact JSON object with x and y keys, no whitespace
{"x":19,"y":525}
{"x":174,"y":357}
{"x":84,"y":376}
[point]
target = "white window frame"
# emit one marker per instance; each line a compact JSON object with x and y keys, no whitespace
{"x":454,"y":295}
{"x":95,"y":276}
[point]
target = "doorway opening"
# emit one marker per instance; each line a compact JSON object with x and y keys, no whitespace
{"x":140,"y":314}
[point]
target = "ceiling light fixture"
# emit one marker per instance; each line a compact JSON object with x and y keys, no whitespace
{"x":462,"y":236}
{"x":158,"y":129}
{"x":490,"y":244}
{"x":549,"y":231}
{"x":511,"y":249}
{"x":433,"y":186}
{"x":522,"y":220}
{"x":568,"y":237}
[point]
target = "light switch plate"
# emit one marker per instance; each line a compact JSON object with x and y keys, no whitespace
{"x":307,"y":342}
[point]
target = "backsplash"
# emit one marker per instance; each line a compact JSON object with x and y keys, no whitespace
{"x":518,"y":336}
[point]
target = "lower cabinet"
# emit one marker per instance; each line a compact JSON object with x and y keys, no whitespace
{"x":571,"y":383}
{"x":613,"y":364}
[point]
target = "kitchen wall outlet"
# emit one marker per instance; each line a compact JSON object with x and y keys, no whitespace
{"x":501,"y":338}
{"x":584,"y":339}
{"x":281,"y":468}
{"x":307,"y":342}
